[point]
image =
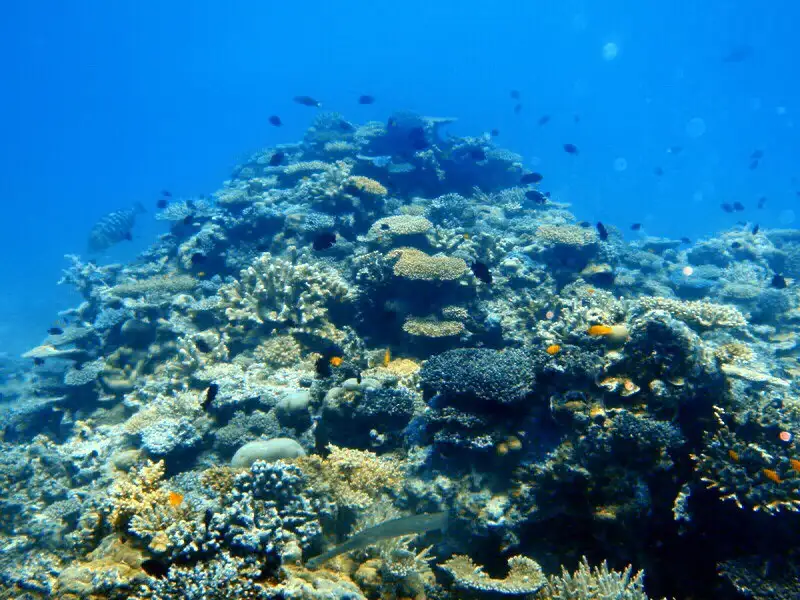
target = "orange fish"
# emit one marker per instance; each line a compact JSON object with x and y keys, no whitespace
{"x":336,"y":361}
{"x":599,"y":330}
{"x":175,"y":499}
{"x":553,"y":349}
{"x":772,"y":475}
{"x":734,"y":455}
{"x":387,"y":357}
{"x":795,"y":464}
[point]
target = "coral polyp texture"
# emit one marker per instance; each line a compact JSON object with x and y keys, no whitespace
{"x":376,"y":364}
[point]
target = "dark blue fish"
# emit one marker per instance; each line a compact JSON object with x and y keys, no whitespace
{"x":515,"y":94}
{"x":166,"y":193}
{"x":477,"y":154}
{"x":275,"y":120}
{"x":324,"y":241}
{"x":55,"y":331}
{"x":738,"y":54}
{"x":307,"y":101}
{"x":571,"y":149}
{"x":726,"y":207}
{"x":602,"y":231}
{"x":494,"y":132}
{"x":762,"y":201}
{"x":658,"y":171}
{"x":536,"y":196}
{"x":277,"y":159}
{"x":753,"y":165}
{"x":738,"y":206}
{"x":211,"y":393}
{"x":482,"y":272}
{"x":517,"y":109}
{"x":755,"y":229}
{"x":543,"y":120}
{"x":778,"y":282}
{"x":366,"y":99}
{"x":418,"y":139}
{"x":636,"y":226}
{"x":162,"y":203}
{"x":757,"y":154}
{"x":529,"y":178}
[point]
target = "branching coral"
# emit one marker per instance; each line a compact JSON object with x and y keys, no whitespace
{"x":598,"y":583}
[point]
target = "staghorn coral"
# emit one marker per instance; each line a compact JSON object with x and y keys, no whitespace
{"x":524,"y":577}
{"x":598,"y":583}
{"x":416,"y":265}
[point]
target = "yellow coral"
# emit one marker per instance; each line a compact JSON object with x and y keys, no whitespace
{"x":567,"y":235}
{"x":356,"y":478}
{"x":367,"y":185}
{"x":415,"y":264}
{"x":432,"y":328}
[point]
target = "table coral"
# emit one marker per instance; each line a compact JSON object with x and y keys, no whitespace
{"x":416,"y":265}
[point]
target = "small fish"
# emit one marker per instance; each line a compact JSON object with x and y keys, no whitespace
{"x":778,"y":282}
{"x":757,"y":155}
{"x":636,"y":226}
{"x":530,"y":178}
{"x":211,"y":393}
{"x":755,"y":229}
{"x":602,"y":231}
{"x":188,"y":220}
{"x":307,"y":101}
{"x":736,"y":245}
{"x":571,"y":149}
{"x":543,"y":120}
{"x":585,"y":224}
{"x":155,"y":568}
{"x":685,"y":240}
{"x":366,"y":99}
{"x":477,"y":154}
{"x":392,"y":122}
{"x":324,"y":241}
{"x":55,"y":331}
{"x":346,"y":126}
{"x":38,"y":361}
{"x":336,"y":361}
{"x":536,"y":196}
{"x":198,"y":258}
{"x":275,"y":120}
{"x":175,"y":499}
{"x":323,"y":366}
{"x":674,"y":149}
{"x":277,"y":159}
{"x":515,"y":95}
{"x":658,"y":171}
{"x":762,"y":201}
{"x":494,"y":132}
{"x":517,"y":109}
{"x":166,"y":193}
{"x":162,"y":203}
{"x":482,"y":272}
{"x":726,"y":207}
{"x":753,"y":165}
{"x":738,"y":206}
{"x":418,"y":139}
{"x":738,"y":54}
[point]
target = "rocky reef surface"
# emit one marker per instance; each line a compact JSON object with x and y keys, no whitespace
{"x":383,"y":325}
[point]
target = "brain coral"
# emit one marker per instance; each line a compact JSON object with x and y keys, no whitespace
{"x":415,"y":264}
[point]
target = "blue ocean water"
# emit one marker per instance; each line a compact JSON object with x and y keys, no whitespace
{"x":106,"y":104}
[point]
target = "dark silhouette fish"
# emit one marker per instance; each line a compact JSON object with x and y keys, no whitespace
{"x":275,"y":120}
{"x":55,"y":331}
{"x":530,"y":178}
{"x":738,"y":206}
{"x":515,"y":94}
{"x":726,"y":207}
{"x":518,"y":109}
{"x":324,"y":241}
{"x":543,"y":120}
{"x":536,"y":196}
{"x":571,"y":149}
{"x":482,"y":272}
{"x":307,"y":101}
{"x":738,"y":54}
{"x":755,"y":229}
{"x":762,"y":201}
{"x":753,"y":164}
{"x":636,"y":226}
{"x":276,"y":159}
{"x":778,"y":282}
{"x":658,"y":171}
{"x":211,"y":393}
{"x":115,"y":227}
{"x":477,"y":154}
{"x":602,"y":231}
{"x":162,"y":203}
{"x":494,"y":132}
{"x":366,"y":99}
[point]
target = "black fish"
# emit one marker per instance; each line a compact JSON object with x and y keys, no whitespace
{"x":155,"y":568}
{"x":55,"y":331}
{"x":757,"y":154}
{"x":418,"y":139}
{"x":755,"y":229}
{"x":536,"y":196}
{"x":166,"y":193}
{"x":602,"y":231}
{"x":188,"y":219}
{"x":515,"y":94}
{"x":738,"y":206}
{"x":477,"y":154}
{"x":38,"y":361}
{"x":762,"y":201}
{"x":726,"y":207}
{"x":323,"y":366}
{"x":753,"y":165}
{"x":658,"y":171}
{"x":636,"y":226}
{"x":530,"y":178}
{"x":570,"y":149}
{"x":685,"y":240}
{"x":277,"y":159}
{"x":736,"y":245}
{"x":211,"y":393}
{"x":275,"y":120}
{"x":366,"y":99}
{"x":482,"y":272}
{"x":494,"y":132}
{"x":324,"y":241}
{"x":198,"y":259}
{"x":162,"y":203}
{"x":778,"y":282}
{"x":128,"y":236}
{"x":518,"y":109}
{"x":543,"y":120}
{"x":307,"y":101}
